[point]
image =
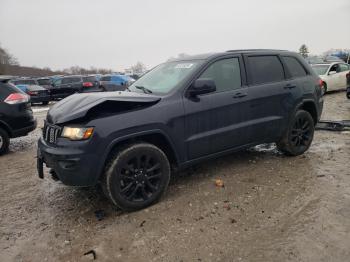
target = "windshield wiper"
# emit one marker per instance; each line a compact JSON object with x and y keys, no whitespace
{"x":144,"y":89}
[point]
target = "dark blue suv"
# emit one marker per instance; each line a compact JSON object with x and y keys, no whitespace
{"x":180,"y":113}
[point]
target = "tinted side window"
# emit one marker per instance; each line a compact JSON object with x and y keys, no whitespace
{"x":57,"y":81}
{"x":344,"y":67}
{"x":226,"y":73}
{"x":265,"y":69}
{"x":70,"y":80}
{"x":294,"y":66}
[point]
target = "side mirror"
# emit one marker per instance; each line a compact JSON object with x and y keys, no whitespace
{"x":332,"y":72}
{"x":202,"y":86}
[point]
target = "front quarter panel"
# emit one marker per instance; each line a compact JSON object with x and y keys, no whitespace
{"x":165,"y":118}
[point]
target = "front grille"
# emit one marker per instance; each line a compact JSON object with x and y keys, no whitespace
{"x":51,"y":133}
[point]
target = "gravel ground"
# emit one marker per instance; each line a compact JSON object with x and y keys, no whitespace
{"x":271,"y":208}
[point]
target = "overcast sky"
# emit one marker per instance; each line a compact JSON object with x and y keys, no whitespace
{"x":116,"y":34}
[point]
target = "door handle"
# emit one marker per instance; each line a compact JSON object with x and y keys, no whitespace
{"x":239,"y":95}
{"x":290,"y":86}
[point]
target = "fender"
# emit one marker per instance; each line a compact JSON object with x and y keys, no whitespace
{"x":130,"y":136}
{"x":7,"y":127}
{"x":300,"y":104}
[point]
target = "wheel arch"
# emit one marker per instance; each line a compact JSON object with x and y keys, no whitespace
{"x":4,"y":126}
{"x":310,"y":107}
{"x":155,"y":137}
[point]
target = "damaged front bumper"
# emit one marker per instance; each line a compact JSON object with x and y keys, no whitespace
{"x":73,"y":166}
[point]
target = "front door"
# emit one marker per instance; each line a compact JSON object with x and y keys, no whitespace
{"x":216,"y":121}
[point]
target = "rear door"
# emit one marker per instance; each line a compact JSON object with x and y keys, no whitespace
{"x":271,"y":96}
{"x":216,"y":121}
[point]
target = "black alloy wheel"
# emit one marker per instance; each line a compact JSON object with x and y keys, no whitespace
{"x":299,"y":134}
{"x":136,"y":176}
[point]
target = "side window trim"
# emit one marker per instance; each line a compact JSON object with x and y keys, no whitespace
{"x":288,"y":74}
{"x":248,"y":69}
{"x":243,"y":72}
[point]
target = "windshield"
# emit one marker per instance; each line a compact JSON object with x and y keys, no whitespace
{"x":163,"y":78}
{"x":320,"y":69}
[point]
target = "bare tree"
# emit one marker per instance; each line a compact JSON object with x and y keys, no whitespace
{"x":139,"y":68}
{"x":304,"y":50}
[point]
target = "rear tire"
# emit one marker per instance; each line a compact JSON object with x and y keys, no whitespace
{"x":299,"y":135}
{"x":136,"y":176}
{"x":4,"y":141}
{"x":45,"y":103}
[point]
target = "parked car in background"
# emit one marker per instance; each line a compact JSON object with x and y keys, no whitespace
{"x":331,"y":59}
{"x":16,"y":116}
{"x":333,"y":75}
{"x":68,"y":85}
{"x":91,"y":84}
{"x":348,"y":85}
{"x":45,"y":82}
{"x":23,"y":83}
{"x":115,"y":82}
{"x":37,"y":93}
{"x":180,"y":113}
{"x":314,"y":60}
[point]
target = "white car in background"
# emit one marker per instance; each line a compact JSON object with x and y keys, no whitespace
{"x":333,"y":75}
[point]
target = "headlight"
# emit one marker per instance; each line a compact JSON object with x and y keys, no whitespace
{"x":77,"y":133}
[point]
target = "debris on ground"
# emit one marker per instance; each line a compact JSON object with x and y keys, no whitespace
{"x":100,"y":214}
{"x":142,"y":223}
{"x":91,"y":253}
{"x":333,"y":125}
{"x":219,"y":183}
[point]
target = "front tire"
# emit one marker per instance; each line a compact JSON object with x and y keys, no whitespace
{"x":136,"y":176}
{"x":299,"y":135}
{"x":4,"y":141}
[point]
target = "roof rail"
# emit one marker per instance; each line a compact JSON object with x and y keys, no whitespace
{"x":255,"y":50}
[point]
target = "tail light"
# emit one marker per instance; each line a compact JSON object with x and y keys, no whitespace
{"x":16,"y":98}
{"x":320,"y":83}
{"x":348,"y":76}
{"x":88,"y":84}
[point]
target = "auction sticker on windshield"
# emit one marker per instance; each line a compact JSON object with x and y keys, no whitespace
{"x":184,"y":66}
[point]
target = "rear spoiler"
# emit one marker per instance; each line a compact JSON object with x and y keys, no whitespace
{"x":5,"y":79}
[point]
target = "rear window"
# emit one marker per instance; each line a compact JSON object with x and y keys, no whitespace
{"x":71,"y":80}
{"x":105,"y":78}
{"x":44,"y":81}
{"x":294,"y":67}
{"x":265,"y":69}
{"x":89,"y":79}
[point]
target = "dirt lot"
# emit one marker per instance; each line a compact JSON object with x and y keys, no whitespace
{"x":272,"y":208}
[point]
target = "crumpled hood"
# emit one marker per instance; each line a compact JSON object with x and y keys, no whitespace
{"x":77,"y":105}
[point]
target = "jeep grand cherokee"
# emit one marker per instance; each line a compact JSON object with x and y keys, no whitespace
{"x":180,"y":113}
